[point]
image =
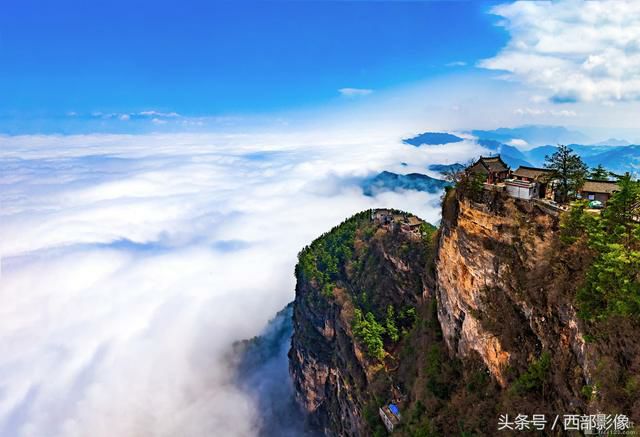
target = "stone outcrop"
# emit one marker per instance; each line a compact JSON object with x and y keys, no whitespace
{"x":502,"y":287}
{"x":481,"y":251}
{"x":331,"y":371}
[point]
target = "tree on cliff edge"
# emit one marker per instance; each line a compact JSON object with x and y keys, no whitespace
{"x":568,"y":169}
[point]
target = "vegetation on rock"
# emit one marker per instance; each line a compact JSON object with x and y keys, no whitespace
{"x":369,"y":332}
{"x":612,"y":283}
{"x":323,"y":261}
{"x":535,"y":377}
{"x":534,"y":285}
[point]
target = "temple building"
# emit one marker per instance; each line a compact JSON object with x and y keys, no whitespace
{"x":493,"y":167}
{"x":530,"y":183}
{"x":598,"y":190}
{"x":390,"y":415}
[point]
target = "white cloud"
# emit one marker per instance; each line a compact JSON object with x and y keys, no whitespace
{"x":456,"y":64}
{"x":530,"y":111}
{"x":519,"y":143}
{"x":540,"y":112}
{"x":563,"y":113}
{"x":355,"y":92}
{"x":573,"y":50}
{"x":158,"y":121}
{"x":131,"y":263}
{"x":158,"y":114}
{"x":125,"y":116}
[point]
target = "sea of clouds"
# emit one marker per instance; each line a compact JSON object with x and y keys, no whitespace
{"x":130,"y":264}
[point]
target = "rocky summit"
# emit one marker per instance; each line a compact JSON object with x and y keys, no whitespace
{"x":401,"y":327}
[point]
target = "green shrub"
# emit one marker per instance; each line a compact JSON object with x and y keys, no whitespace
{"x":535,"y":376}
{"x":478,"y":381}
{"x":612,"y":286}
{"x":587,"y":391}
{"x":390,"y":325}
{"x":612,"y":282}
{"x":327,"y":290}
{"x":324,"y":259}
{"x":369,"y":332}
{"x":436,"y":382}
{"x":418,"y":411}
{"x":575,"y":222}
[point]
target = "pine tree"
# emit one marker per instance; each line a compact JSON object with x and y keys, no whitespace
{"x":612,"y":285}
{"x":599,"y":173}
{"x":623,"y":210}
{"x":568,"y":169}
{"x":390,"y":324}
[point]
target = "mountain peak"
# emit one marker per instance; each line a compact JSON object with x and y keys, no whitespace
{"x":433,"y":139}
{"x":612,"y":142}
{"x":388,"y":181}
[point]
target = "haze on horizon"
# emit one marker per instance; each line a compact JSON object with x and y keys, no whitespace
{"x":161,"y":167}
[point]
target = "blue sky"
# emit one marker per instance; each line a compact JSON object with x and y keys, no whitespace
{"x":219,"y":58}
{"x":139,"y":66}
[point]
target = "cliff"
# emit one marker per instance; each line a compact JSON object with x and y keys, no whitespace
{"x":475,"y":320}
{"x":336,"y":378}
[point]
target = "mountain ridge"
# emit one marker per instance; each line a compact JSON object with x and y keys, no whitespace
{"x":465,"y":321}
{"x":389,"y":181}
{"x":618,"y":156}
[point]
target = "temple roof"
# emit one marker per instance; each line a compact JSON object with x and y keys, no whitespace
{"x":489,"y":164}
{"x":531,"y":172}
{"x":593,"y":186}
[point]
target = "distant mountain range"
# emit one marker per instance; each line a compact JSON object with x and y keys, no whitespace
{"x":616,"y":155}
{"x":433,"y":139}
{"x":445,"y":168}
{"x":509,"y":154}
{"x":618,"y":159}
{"x":612,"y":142}
{"x":388,"y":181}
{"x":534,"y":135}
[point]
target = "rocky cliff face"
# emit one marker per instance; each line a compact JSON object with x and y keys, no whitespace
{"x":506,"y":288}
{"x":495,"y":330}
{"x":332,"y":371}
{"x":497,"y":272}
